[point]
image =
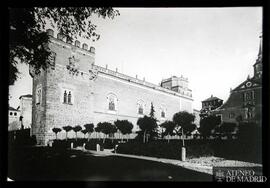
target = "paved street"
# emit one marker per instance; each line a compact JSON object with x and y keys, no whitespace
{"x":49,"y":164}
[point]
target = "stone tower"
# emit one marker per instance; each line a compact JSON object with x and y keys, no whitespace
{"x":63,"y":89}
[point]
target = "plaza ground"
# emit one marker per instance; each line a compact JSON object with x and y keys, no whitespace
{"x":43,"y":163}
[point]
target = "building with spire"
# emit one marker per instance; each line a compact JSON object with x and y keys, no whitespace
{"x":245,"y":101}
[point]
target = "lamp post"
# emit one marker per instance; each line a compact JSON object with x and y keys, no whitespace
{"x":183,"y":151}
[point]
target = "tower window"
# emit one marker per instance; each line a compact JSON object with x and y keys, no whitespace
{"x":11,"y":113}
{"x":15,"y":114}
{"x":38,"y":96}
{"x":67,"y":96}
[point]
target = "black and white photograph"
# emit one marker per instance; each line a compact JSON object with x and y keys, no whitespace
{"x":144,"y":94}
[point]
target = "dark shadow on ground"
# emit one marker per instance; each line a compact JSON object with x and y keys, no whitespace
{"x":44,"y":163}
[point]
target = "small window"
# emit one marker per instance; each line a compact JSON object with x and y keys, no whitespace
{"x":249,"y":96}
{"x":111,"y":105}
{"x":140,"y":107}
{"x":67,"y":96}
{"x":15,"y":114}
{"x":38,"y":96}
{"x":112,"y":102}
{"x":11,"y":113}
{"x":140,"y":110}
{"x":162,"y":114}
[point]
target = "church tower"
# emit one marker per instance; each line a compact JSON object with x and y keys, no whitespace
{"x":258,"y":64}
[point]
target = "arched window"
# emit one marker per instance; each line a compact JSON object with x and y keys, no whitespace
{"x":112,"y":102}
{"x":15,"y":114}
{"x":140,"y":109}
{"x":65,"y":96}
{"x":11,"y":113}
{"x":69,"y":97}
{"x":38,"y":95}
{"x":162,"y":114}
{"x":162,"y":111}
{"x":111,"y":105}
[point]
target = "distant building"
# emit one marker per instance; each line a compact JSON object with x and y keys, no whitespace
{"x":13,"y":119}
{"x":245,"y":101}
{"x":22,"y":116}
{"x":26,"y":110}
{"x":210,"y":104}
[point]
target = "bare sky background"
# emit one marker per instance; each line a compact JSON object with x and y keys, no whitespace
{"x":214,"y":47}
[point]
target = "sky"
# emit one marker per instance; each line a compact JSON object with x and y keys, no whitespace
{"x":215,"y":48}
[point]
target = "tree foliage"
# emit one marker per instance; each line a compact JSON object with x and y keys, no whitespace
{"x":76,"y":129}
{"x":169,"y":128}
{"x":148,"y":126}
{"x":106,"y":128}
{"x":67,"y":129}
{"x":56,"y":130}
{"x":124,"y":126}
{"x":89,"y":129}
{"x":184,"y":120}
{"x":84,"y":131}
{"x":152,"y":111}
{"x":28,"y":38}
{"x":227,"y":128}
{"x":208,"y":124}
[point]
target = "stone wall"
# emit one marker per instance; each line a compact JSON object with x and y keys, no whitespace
{"x":89,"y":96}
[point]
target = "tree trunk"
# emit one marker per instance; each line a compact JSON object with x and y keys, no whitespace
{"x":103,"y":139}
{"x":88,"y":136}
{"x":168,"y":138}
{"x":183,"y":138}
{"x":66,"y":135}
{"x":56,"y":136}
{"x":144,"y":136}
{"x":76,"y":135}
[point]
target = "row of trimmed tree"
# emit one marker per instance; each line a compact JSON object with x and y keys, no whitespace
{"x":108,"y":129}
{"x":181,"y":124}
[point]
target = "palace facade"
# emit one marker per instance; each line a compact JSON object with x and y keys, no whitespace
{"x":76,"y":91}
